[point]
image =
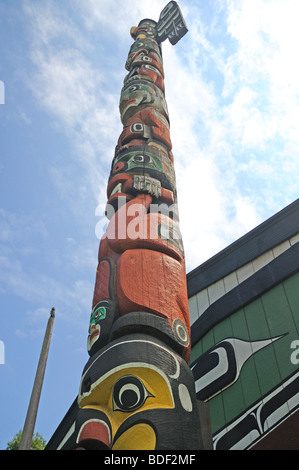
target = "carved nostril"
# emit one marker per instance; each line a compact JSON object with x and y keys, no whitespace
{"x":94,"y":435}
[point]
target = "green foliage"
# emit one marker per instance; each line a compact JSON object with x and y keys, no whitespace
{"x":38,"y":442}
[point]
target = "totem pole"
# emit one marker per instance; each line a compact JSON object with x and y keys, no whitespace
{"x":137,"y":391}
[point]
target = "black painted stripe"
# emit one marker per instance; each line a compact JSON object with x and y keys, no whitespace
{"x":282,"y":226}
{"x":263,"y":280}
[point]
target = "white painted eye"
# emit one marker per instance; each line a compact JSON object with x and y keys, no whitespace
{"x":129,"y":394}
{"x":139,"y":158}
{"x":137,"y":127}
{"x":134,"y":88}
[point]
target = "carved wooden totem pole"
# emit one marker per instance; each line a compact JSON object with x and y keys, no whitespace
{"x":137,"y":390}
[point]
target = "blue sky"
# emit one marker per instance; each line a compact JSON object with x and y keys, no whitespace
{"x":233,"y":99}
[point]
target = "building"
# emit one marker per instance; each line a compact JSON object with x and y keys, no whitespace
{"x":244,"y":309}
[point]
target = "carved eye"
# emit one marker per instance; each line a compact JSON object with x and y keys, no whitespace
{"x":133,"y":88}
{"x":137,"y":127}
{"x":141,"y":159}
{"x":129,"y":394}
{"x":100,"y":314}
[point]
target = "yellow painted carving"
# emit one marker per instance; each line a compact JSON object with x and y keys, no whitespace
{"x":100,"y":396}
{"x":138,"y":437}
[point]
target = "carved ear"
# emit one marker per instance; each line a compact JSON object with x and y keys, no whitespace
{"x":104,"y":310}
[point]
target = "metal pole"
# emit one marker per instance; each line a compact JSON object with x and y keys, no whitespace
{"x":27,"y":434}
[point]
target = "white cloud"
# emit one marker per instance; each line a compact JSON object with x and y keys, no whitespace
{"x":68,"y":85}
{"x":16,"y":228}
{"x":233,"y":104}
{"x":213,"y":212}
{"x":70,"y":298}
{"x":23,"y":240}
{"x":115,"y":18}
{"x":266,"y":37}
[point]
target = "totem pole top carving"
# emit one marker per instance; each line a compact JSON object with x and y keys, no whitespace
{"x":171,"y":25}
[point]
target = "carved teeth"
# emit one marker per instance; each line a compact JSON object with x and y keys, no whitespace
{"x":137,"y":77}
{"x":145,"y":184}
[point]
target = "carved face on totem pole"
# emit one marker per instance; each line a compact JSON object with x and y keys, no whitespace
{"x":146,"y":46}
{"x":147,"y":126}
{"x":104,"y":306}
{"x":137,"y":96}
{"x":145,"y":29}
{"x":128,"y":393}
{"x":141,"y":168}
{"x":145,"y":160}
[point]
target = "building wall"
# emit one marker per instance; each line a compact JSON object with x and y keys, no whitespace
{"x":199,"y":302}
{"x":244,"y":308}
{"x":244,"y":326}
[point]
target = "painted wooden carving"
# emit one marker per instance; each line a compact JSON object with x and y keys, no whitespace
{"x":137,"y":391}
{"x":137,"y":394}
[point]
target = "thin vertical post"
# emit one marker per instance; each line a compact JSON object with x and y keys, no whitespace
{"x":27,"y":434}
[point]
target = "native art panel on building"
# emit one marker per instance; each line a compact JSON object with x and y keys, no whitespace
{"x":244,"y":306}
